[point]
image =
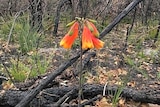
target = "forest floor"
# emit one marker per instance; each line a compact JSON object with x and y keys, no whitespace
{"x":136,"y":67}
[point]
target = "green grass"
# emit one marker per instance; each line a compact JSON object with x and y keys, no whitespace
{"x":117,"y":95}
{"x":27,"y":38}
{"x":18,"y":70}
{"x":28,"y":68}
{"x":21,"y":34}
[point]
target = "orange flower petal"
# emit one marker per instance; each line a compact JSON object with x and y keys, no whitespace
{"x":74,"y":29}
{"x":92,"y":28}
{"x":67,"y":41}
{"x":97,"y":43}
{"x":70,"y":37}
{"x":86,"y":38}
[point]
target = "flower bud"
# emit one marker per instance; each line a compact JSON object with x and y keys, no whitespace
{"x":92,"y":28}
{"x":71,"y":23}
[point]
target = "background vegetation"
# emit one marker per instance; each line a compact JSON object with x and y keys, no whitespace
{"x":30,"y":31}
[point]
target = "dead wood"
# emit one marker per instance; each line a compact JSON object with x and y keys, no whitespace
{"x":62,"y":99}
{"x":120,"y":17}
{"x":57,"y":18}
{"x":26,"y":100}
{"x":48,"y":96}
{"x":46,"y":81}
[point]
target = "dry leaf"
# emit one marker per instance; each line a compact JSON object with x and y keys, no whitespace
{"x":153,"y":105}
{"x":7,"y":85}
{"x":132,"y":104}
{"x":144,"y":105}
{"x":121,"y":103}
{"x":103,"y":103}
{"x":131,"y":84}
{"x":122,"y":71}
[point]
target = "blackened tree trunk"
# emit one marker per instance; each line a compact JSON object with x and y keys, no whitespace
{"x":83,"y":7}
{"x":79,"y":8}
{"x":148,"y":12}
{"x":57,"y":17}
{"x":10,"y":6}
{"x":36,"y":13}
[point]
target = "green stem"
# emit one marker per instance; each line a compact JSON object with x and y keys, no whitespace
{"x":80,"y":69}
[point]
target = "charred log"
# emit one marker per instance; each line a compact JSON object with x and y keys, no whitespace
{"x":48,"y":96}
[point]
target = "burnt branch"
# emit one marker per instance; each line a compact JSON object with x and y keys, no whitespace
{"x":129,"y":29}
{"x":49,"y":96}
{"x":120,"y":17}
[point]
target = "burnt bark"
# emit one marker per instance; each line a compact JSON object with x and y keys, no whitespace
{"x":79,"y":8}
{"x":120,"y":17}
{"x":57,"y":17}
{"x":10,"y":6}
{"x":129,"y":29}
{"x":36,"y":13}
{"x":51,"y":95}
{"x":83,"y":6}
{"x":147,"y":12}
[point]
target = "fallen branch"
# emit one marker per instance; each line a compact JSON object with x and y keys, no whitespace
{"x":62,"y":99}
{"x":120,"y":17}
{"x":51,"y":95}
{"x":46,"y":81}
{"x":26,"y":100}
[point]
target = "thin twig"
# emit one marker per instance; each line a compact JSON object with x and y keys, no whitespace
{"x":105,"y":8}
{"x":129,"y":29}
{"x":8,"y":73}
{"x":104,"y":89}
{"x":11,"y":30}
{"x":66,"y":96}
{"x":91,"y":100}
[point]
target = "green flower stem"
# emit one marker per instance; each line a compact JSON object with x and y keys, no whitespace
{"x":80,"y":73}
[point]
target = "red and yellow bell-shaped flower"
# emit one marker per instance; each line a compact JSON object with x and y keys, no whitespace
{"x":97,"y":43}
{"x":70,"y":37}
{"x":90,"y":36}
{"x":89,"y":40}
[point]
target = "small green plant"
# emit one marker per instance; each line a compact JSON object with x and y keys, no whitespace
{"x":5,"y":29}
{"x":151,"y":34}
{"x":21,"y":33}
{"x":141,"y":55}
{"x":27,"y":38}
{"x":130,"y":61}
{"x":143,"y":72}
{"x":117,"y":95}
{"x":127,"y":20}
{"x":18,"y":70}
{"x":40,"y":65}
{"x":28,"y":68}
